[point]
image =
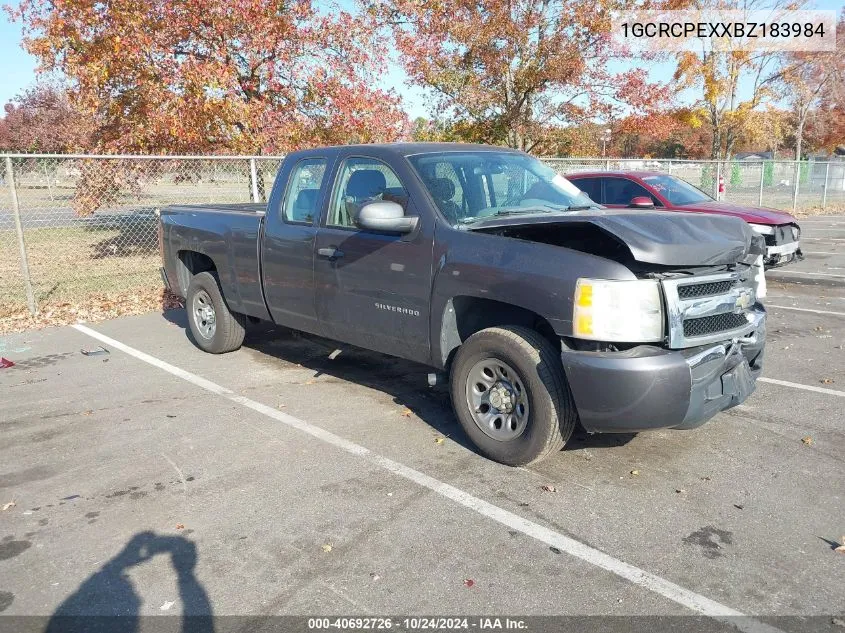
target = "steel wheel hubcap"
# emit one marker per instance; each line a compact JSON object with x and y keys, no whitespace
{"x":497,"y":399}
{"x":204,"y":316}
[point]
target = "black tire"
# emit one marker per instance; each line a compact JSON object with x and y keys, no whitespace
{"x":552,"y":414}
{"x":228,"y":334}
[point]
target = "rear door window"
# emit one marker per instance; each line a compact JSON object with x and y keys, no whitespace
{"x":590,"y":186}
{"x":304,"y":191}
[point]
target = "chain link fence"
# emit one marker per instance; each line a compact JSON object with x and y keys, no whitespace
{"x":76,"y":227}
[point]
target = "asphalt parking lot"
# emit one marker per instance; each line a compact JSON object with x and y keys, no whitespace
{"x":157,"y":479}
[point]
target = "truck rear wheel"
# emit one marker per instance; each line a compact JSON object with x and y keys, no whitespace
{"x":510,"y":395}
{"x":215,"y":327}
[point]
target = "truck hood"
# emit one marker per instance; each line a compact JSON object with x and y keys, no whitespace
{"x":755,"y":215}
{"x":653,"y":237}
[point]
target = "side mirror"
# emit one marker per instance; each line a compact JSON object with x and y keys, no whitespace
{"x":641,"y":202}
{"x":386,"y":216}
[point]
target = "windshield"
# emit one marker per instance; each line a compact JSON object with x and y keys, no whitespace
{"x":470,"y":186}
{"x":675,"y":190}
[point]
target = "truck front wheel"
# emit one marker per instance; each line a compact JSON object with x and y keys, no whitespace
{"x":510,"y":395}
{"x":215,"y":328}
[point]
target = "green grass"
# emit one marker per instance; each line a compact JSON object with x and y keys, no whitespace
{"x":70,"y":264}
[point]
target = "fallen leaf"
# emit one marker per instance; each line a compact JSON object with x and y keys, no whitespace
{"x":469,"y":582}
{"x":807,"y":440}
{"x":88,"y":412}
{"x":11,"y":504}
{"x":438,"y":440}
{"x":827,"y":381}
{"x":680,"y":491}
{"x":705,"y":479}
{"x":838,"y":622}
{"x":406,"y":413}
{"x":635,"y":472}
{"x":5,"y":362}
{"x":549,"y":488}
{"x":327,"y":547}
{"x":310,"y":382}
{"x":282,"y":406}
{"x":180,"y":526}
{"x":841,"y":548}
{"x":374,"y":576}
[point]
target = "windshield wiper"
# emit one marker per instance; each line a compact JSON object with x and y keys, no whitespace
{"x":510,"y":211}
{"x":582,"y":207}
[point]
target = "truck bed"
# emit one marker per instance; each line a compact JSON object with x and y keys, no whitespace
{"x":249,"y":208}
{"x":228,"y":235}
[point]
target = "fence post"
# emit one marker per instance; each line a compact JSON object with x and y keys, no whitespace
{"x":762,"y":178}
{"x":253,"y":176}
{"x":16,"y":211}
{"x":824,"y":189}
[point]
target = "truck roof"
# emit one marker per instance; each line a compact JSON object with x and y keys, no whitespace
{"x":406,"y":149}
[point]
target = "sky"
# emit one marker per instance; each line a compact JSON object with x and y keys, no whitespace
{"x":18,"y":67}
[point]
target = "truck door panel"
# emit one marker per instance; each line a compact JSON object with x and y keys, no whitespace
{"x":289,"y":242}
{"x":373,"y":289}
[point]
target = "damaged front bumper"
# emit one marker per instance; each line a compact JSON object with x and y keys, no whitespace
{"x":649,"y":387}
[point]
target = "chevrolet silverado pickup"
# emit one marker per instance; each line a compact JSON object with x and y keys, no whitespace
{"x":542,"y":308}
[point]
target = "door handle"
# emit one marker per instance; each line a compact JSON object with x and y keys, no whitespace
{"x":330,"y":253}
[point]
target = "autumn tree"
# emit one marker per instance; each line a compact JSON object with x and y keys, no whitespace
{"x":733,"y":81}
{"x":811,"y":79}
{"x":508,"y":71}
{"x":200,"y":76}
{"x":42,"y":119}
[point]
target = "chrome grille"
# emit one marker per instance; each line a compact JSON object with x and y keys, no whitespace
{"x":692,"y":291}
{"x":709,"y":308}
{"x":716,"y":323}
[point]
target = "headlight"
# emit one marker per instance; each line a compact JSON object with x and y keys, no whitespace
{"x":623,"y":311}
{"x":796,"y":233}
{"x":762,"y":229}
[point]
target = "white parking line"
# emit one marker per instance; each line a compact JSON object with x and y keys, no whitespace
{"x":676,"y":593}
{"x":772,"y":305}
{"x":801,"y":272}
{"x":796,"y":385}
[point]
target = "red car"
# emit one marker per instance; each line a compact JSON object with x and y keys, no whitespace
{"x":654,"y":189}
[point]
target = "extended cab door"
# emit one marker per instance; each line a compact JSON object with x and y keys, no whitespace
{"x":290,"y":232}
{"x":373,"y":288}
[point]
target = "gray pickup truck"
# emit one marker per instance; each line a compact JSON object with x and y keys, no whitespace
{"x":543,"y":308}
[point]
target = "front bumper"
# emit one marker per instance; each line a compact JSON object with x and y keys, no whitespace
{"x":650,"y":387}
{"x":782,"y":254}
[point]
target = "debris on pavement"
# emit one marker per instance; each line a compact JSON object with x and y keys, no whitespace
{"x":807,"y":440}
{"x":739,"y":507}
{"x":180,"y":526}
{"x":549,"y":488}
{"x":469,"y":583}
{"x":334,"y":354}
{"x":327,"y":547}
{"x":635,"y":472}
{"x":9,"y":505}
{"x":166,"y":606}
{"x":100,"y":351}
{"x":439,"y":440}
{"x":406,"y":412}
{"x":827,"y":381}
{"x":374,"y":576}
{"x":841,"y":548}
{"x":680,"y":491}
{"x":5,"y":362}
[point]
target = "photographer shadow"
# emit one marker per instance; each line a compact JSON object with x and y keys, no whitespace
{"x":107,"y":602}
